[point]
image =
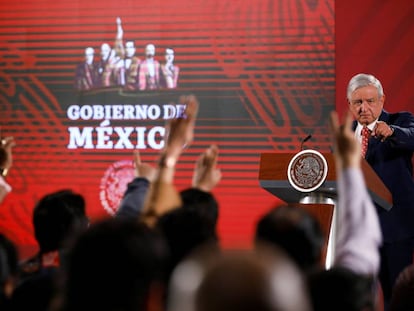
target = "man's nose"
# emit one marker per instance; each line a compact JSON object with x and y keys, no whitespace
{"x":364,"y":105}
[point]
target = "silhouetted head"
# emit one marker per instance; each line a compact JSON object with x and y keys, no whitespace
{"x":203,"y":202}
{"x":296,"y":231}
{"x":265,"y":279}
{"x":341,"y":289}
{"x":8,"y":268}
{"x":56,"y":216}
{"x":114,"y":265}
{"x":185,"y":230}
{"x":402,"y":295}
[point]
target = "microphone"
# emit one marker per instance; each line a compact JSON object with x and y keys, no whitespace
{"x":304,"y":141}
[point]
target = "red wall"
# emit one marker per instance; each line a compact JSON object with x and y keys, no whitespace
{"x":376,"y":36}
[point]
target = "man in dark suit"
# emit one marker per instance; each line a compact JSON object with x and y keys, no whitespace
{"x":389,"y":152}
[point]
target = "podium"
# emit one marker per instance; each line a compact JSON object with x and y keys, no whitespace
{"x":273,"y":177}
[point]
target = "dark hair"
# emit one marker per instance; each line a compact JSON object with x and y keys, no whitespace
{"x":8,"y":259}
{"x":55,"y":216}
{"x":8,"y":265}
{"x":185,"y":230}
{"x":296,"y":231}
{"x":3,"y":155}
{"x":203,"y":202}
{"x":402,"y":298}
{"x":112,"y":266}
{"x":341,"y":289}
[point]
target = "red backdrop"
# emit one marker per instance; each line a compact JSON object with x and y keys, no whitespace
{"x":376,"y":37}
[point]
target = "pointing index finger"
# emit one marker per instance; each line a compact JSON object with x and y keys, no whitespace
{"x":137,"y":158}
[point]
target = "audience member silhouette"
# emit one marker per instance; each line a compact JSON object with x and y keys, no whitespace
{"x":203,"y":203}
{"x":186,"y":229}
{"x":117,"y":264}
{"x":263,"y":279}
{"x":402,"y":298}
{"x":341,"y":289}
{"x":295,"y":231}
{"x":8,"y":271}
{"x":56,"y":217}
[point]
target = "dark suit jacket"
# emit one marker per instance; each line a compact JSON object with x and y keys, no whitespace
{"x":391,"y":160}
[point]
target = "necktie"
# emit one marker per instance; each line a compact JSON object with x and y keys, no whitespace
{"x":365,"y":133}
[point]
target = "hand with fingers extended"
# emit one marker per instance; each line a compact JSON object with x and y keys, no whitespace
{"x":347,"y":149}
{"x":120,"y":31}
{"x":136,"y":193}
{"x":163,"y":196}
{"x":4,"y":189}
{"x":206,"y":174}
{"x":144,"y":170}
{"x":180,"y":131}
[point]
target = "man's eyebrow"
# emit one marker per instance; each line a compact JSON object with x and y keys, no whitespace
{"x":361,"y":99}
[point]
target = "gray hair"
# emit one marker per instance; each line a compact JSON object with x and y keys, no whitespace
{"x":361,"y":80}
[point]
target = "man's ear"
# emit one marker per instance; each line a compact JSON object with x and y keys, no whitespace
{"x":382,"y":99}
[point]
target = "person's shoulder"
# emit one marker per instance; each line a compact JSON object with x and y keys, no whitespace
{"x":403,"y":114}
{"x":398,"y":116}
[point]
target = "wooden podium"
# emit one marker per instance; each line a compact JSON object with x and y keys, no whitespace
{"x":321,"y":202}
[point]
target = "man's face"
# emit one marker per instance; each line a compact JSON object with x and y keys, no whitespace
{"x":150,"y":50}
{"x":366,"y":105}
{"x":89,"y":55}
{"x":105,"y":50}
{"x":129,"y":49}
{"x":169,"y":55}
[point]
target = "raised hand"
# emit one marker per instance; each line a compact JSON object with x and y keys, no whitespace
{"x":6,"y":155}
{"x":163,"y":196}
{"x":119,"y":30}
{"x":143,"y":170}
{"x":180,"y":131}
{"x":206,"y":174}
{"x":346,"y":147}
